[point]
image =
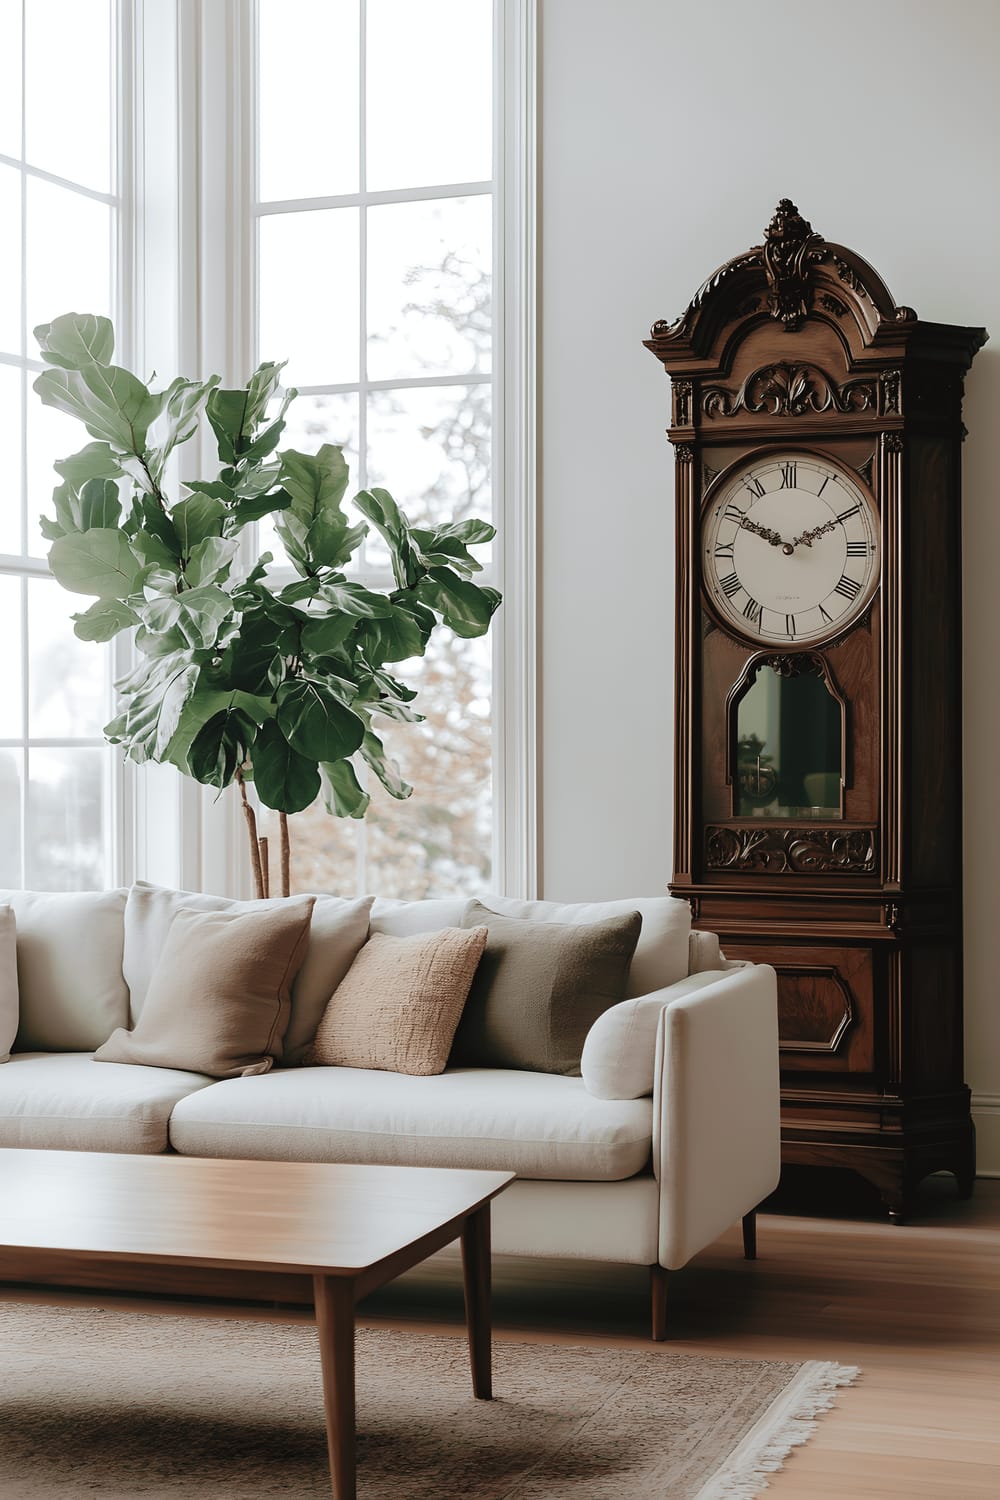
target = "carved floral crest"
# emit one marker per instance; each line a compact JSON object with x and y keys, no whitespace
{"x":789,"y":390}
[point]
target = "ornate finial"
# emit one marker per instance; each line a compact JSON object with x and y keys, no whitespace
{"x":788,"y":242}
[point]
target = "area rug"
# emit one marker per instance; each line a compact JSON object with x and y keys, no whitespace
{"x":122,"y":1405}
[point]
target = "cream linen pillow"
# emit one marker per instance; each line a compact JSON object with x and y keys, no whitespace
{"x":8,"y":981}
{"x":220,"y":999}
{"x":399,"y":1005}
{"x":619,"y":1054}
{"x":338,"y":929}
{"x":71,"y":994}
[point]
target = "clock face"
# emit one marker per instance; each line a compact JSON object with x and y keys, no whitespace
{"x":789,"y":548}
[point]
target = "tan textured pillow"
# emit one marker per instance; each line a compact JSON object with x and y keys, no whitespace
{"x":398,"y":1007}
{"x":220,"y":999}
{"x":540,"y":988}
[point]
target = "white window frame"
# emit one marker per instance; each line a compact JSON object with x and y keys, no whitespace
{"x":193,"y":116}
{"x":117,"y":840}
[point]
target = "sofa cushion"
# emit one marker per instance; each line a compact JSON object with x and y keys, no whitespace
{"x":71,"y":993}
{"x":536,"y":1124}
{"x":661,"y":954}
{"x":403,"y":918}
{"x":60,"y":1101}
{"x":539,"y":988}
{"x":619,"y":1054}
{"x":339,"y":927}
{"x":8,"y":981}
{"x":220,"y":999}
{"x":400,"y":1002}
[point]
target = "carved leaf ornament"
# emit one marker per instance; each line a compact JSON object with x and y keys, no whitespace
{"x":787,"y":390}
{"x":791,"y":851}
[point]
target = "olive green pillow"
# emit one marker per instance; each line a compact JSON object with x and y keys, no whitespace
{"x":539,"y":988}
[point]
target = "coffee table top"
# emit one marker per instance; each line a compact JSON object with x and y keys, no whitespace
{"x":310,"y":1217}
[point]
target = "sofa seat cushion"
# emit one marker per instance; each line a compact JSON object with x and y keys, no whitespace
{"x":535,"y":1124}
{"x":63,"y":1101}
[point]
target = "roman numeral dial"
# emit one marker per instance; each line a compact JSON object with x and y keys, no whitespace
{"x":790,"y":548}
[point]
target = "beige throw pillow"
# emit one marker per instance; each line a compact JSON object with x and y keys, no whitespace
{"x":8,"y":982}
{"x":338,"y":929}
{"x":220,"y":998}
{"x":398,"y":1007}
{"x":539,"y":989}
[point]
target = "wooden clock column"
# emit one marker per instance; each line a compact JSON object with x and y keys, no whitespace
{"x":817,"y":434}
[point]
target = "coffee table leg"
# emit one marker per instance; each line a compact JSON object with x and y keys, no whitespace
{"x":334,"y":1302}
{"x":476,"y":1271}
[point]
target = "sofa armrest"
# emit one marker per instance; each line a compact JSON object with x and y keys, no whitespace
{"x":716,"y":1108}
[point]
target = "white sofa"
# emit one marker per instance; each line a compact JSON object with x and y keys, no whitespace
{"x":646,"y":1180}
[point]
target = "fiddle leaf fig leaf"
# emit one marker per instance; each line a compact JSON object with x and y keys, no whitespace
{"x":197,"y":517}
{"x":104,"y":620}
{"x":76,"y":339}
{"x":402,"y":634}
{"x":315,"y":722}
{"x":114,"y":406}
{"x":100,"y":505}
{"x":197,"y":613}
{"x":385,"y":768}
{"x":343,"y":795}
{"x":97,"y":562}
{"x":95,"y":461}
{"x":203,"y":705}
{"x":315,"y":481}
{"x":284,"y":779}
{"x":221,"y":746}
{"x":380,"y":508}
{"x":210,"y":561}
{"x":153,"y":698}
{"x":183,"y":402}
{"x":465,"y":607}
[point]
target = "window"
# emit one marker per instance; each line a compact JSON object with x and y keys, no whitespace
{"x":374,"y":216}
{"x":60,"y":215}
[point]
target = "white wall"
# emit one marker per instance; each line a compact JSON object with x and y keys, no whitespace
{"x":668,"y":133}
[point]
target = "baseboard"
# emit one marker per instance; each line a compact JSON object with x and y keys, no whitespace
{"x":986,"y":1113}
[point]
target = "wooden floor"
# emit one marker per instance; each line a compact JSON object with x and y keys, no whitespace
{"x":916,"y":1306}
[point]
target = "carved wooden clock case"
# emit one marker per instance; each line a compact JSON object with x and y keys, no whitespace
{"x":818,"y":802}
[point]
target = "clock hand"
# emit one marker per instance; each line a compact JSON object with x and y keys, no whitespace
{"x":763,"y":531}
{"x":808,"y":537}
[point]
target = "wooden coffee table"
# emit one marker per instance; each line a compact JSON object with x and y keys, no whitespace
{"x":258,"y":1231}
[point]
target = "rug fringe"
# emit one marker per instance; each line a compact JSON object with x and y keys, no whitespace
{"x":788,"y":1422}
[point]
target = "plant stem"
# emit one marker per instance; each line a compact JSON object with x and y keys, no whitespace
{"x":286,"y":856}
{"x":251,"y":821}
{"x":265,"y":864}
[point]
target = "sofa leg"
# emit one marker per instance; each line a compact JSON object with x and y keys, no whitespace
{"x":750,"y":1235}
{"x":658,"y":1290}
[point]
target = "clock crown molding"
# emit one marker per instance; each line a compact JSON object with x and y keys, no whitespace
{"x":793,"y":277}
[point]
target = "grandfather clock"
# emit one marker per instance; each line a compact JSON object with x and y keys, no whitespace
{"x":817,"y":437}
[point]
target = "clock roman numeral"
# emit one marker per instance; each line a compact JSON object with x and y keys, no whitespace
{"x":724,"y":549}
{"x":754,"y":486}
{"x":827,"y":619}
{"x":823,"y":486}
{"x":788,"y":479}
{"x":733,"y":513}
{"x":846,"y":514}
{"x":751,"y":611}
{"x":857,"y":549}
{"x":847,"y":588}
{"x":729,"y":585}
{"x":790,"y":626}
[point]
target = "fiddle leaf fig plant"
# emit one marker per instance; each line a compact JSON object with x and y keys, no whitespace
{"x":239,"y":678}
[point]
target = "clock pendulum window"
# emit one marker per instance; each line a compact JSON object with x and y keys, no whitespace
{"x":816,"y":428}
